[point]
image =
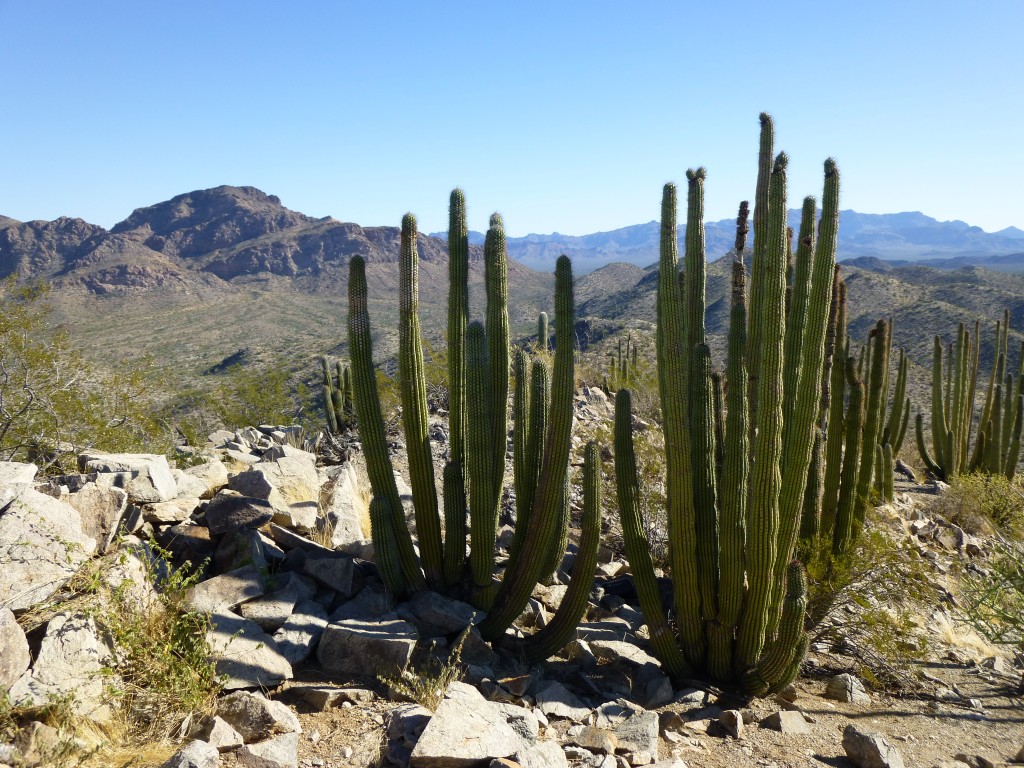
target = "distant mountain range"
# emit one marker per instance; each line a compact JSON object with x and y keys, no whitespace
{"x":900,"y":237}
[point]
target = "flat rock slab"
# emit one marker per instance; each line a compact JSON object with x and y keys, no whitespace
{"x":42,"y":545}
{"x":334,"y":571}
{"x":638,"y":733}
{"x":170,"y":512}
{"x":555,"y":700}
{"x":786,"y":721}
{"x":847,"y":688}
{"x":71,"y":661}
{"x":347,"y":508}
{"x":212,"y":474}
{"x":151,"y":479}
{"x":17,"y":473}
{"x":227,"y":591}
{"x":611,"y":650}
{"x":435,"y":614}
{"x":289,"y":480}
{"x":366,"y":648}
{"x":246,"y":655}
{"x":276,"y":752}
{"x":465,"y":730}
{"x":14,"y":655}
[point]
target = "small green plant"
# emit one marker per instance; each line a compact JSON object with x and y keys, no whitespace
{"x":981,"y":503}
{"x":994,"y":600}
{"x":427,"y":683}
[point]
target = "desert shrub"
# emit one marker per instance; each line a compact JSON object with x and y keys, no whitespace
{"x":981,"y":503}
{"x":54,"y":404}
{"x":865,"y":603}
{"x":265,"y":394}
{"x":427,"y":683}
{"x":993,"y":597}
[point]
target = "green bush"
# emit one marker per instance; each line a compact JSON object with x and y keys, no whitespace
{"x":982,"y":503}
{"x":53,"y":403}
{"x":994,"y":598}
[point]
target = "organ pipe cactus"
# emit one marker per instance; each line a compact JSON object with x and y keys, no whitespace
{"x":337,"y":395}
{"x":544,"y":459}
{"x":997,"y":442}
{"x":739,"y":597}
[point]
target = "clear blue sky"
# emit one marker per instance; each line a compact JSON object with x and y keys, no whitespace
{"x":563,"y":116}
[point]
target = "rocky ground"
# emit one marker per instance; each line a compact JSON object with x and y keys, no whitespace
{"x":308,"y":645}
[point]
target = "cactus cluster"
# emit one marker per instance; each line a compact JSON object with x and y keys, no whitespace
{"x":337,"y":395}
{"x":623,"y":365}
{"x":479,"y":384}
{"x":736,"y":475}
{"x":997,"y":440}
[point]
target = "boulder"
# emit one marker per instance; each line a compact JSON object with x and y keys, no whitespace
{"x":356,"y":647}
{"x":435,"y":614}
{"x":245,"y":655}
{"x":219,"y":733}
{"x":638,"y":733}
{"x":786,"y":721}
{"x":289,"y":480}
{"x":555,"y":700}
{"x":190,"y":486}
{"x":256,"y":717}
{"x":276,"y":752}
{"x":347,"y":509}
{"x":227,"y":591}
{"x":101,"y":508}
{"x":229,"y":511}
{"x":334,"y":571}
{"x":212,"y":474}
{"x":239,"y":549}
{"x":170,"y":512}
{"x":187,"y":542}
{"x":151,"y":478}
{"x":70,"y":662}
{"x":15,"y":658}
{"x":847,"y":688}
{"x":17,"y":473}
{"x":465,"y":730}
{"x":298,"y":636}
{"x":42,"y":545}
{"x":869,"y":750}
{"x":271,"y":611}
{"x":195,"y":754}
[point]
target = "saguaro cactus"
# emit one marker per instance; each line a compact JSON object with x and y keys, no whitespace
{"x":739,"y":597}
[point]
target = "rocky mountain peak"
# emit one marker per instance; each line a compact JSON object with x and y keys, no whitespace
{"x":205,"y":220}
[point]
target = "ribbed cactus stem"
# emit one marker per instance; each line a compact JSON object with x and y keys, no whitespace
{"x":560,"y":629}
{"x":672,"y":364}
{"x":371,"y":424}
{"x":842,"y":531}
{"x":637,"y":546}
{"x":761,"y":237}
{"x":454,"y":522}
{"x":528,"y":470}
{"x":458,"y":312}
{"x":386,"y":545}
{"x":766,"y":479}
{"x":797,"y":315}
{"x":498,"y":349}
{"x":888,"y":480}
{"x":542,"y":332}
{"x":1013,"y":452}
{"x":522,"y":574}
{"x":777,"y":661}
{"x":328,"y":395}
{"x":413,"y":385}
{"x":871,"y":422}
{"x":483,"y":507}
{"x":810,"y":518}
{"x":702,"y":442}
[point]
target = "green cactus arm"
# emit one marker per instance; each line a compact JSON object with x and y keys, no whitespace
{"x":328,"y":390}
{"x":899,"y":395}
{"x":958,"y":414}
{"x":672,"y":362}
{"x":498,"y":345}
{"x":798,"y":437}
{"x":348,"y":396}
{"x":527,"y":474}
{"x":735,"y":470}
{"x":888,"y":479}
{"x":413,"y":386}
{"x":702,"y":448}
{"x":765,"y":163}
{"x":695,"y":259}
{"x":555,"y":551}
{"x":1013,"y":452}
{"x":810,"y":516}
{"x":718,"y":403}
{"x":543,"y":334}
{"x":901,"y":433}
{"x":766,"y":479}
{"x":831,"y":339}
{"x":483,"y":507}
{"x":842,"y":531}
{"x":975,"y":365}
{"x":520,"y":434}
{"x":385,"y":545}
{"x":922,"y":449}
{"x":522,"y":574}
{"x":371,"y":423}
{"x":939,"y":422}
{"x":557,"y":632}
{"x":797,"y":315}
{"x":777,"y":660}
{"x":879,"y":480}
{"x":871,"y":425}
{"x":836,"y":422}
{"x":1009,"y":413}
{"x":993,"y":461}
{"x":454,"y":485}
{"x":638,"y":549}
{"x":458,"y":313}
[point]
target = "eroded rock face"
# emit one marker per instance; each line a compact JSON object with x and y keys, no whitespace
{"x":246,"y":655}
{"x":71,"y":661}
{"x":151,"y":479}
{"x":101,"y":508}
{"x":14,"y":655}
{"x":367,"y":647}
{"x":42,"y":544}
